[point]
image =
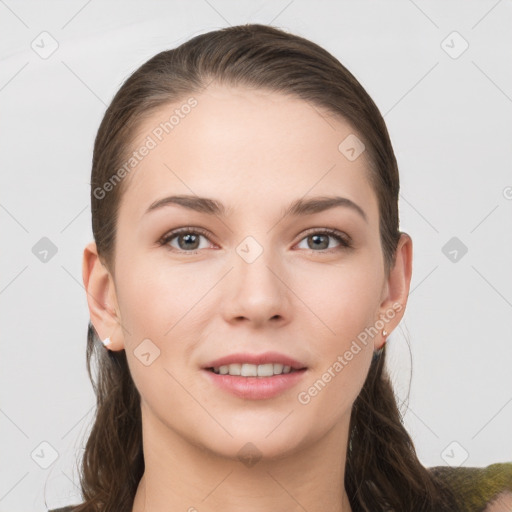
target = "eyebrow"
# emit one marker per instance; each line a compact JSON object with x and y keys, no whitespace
{"x":298,"y":207}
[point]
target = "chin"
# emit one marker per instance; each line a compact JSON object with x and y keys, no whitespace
{"x":250,"y":445}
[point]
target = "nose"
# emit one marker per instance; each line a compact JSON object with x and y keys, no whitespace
{"x":256,"y":292}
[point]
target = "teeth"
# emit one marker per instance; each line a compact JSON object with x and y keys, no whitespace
{"x":253,"y":370}
{"x":278,"y":368}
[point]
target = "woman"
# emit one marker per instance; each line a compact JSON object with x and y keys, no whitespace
{"x":246,"y":272}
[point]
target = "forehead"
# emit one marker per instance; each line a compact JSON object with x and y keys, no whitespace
{"x":247,"y":147}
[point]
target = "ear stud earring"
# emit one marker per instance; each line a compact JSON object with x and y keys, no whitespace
{"x":378,"y":352}
{"x":107,"y":341}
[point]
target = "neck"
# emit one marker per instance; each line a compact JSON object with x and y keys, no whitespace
{"x":182,"y":476}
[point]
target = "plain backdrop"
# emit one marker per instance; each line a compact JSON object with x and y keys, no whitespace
{"x":440,"y":74}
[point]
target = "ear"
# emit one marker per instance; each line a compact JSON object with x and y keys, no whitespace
{"x":101,"y":298}
{"x":396,"y":289}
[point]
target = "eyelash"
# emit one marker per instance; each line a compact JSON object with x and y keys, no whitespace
{"x":344,"y":240}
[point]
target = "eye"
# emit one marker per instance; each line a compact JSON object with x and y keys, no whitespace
{"x":320,"y":240}
{"x":187,"y":239}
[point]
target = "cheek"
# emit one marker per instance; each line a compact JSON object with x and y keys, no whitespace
{"x":343,"y":350}
{"x":344,"y":297}
{"x":153,"y":298}
{"x":158,"y":304}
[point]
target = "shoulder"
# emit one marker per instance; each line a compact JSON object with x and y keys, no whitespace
{"x":487,"y":489}
{"x":501,"y":503}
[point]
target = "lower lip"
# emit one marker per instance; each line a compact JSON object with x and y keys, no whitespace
{"x":256,"y":388}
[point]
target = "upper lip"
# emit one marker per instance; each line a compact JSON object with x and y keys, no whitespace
{"x":265,"y":358}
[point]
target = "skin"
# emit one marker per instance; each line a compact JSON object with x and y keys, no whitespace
{"x":502,"y":503}
{"x":256,"y":151}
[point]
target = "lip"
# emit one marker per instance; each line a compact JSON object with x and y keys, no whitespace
{"x":267,"y":357}
{"x":255,"y":388}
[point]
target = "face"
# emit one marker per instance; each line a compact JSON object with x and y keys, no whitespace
{"x":249,"y":278}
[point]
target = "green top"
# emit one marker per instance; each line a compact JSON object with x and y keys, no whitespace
{"x":477,"y":487}
{"x":473,"y":487}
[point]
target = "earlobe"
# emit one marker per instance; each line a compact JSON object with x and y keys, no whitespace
{"x":99,"y":289}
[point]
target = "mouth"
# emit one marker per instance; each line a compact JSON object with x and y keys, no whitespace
{"x":254,"y":376}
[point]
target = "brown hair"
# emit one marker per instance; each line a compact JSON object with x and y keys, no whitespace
{"x":382,"y":468}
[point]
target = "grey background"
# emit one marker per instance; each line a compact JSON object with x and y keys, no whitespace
{"x":449,"y":117}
